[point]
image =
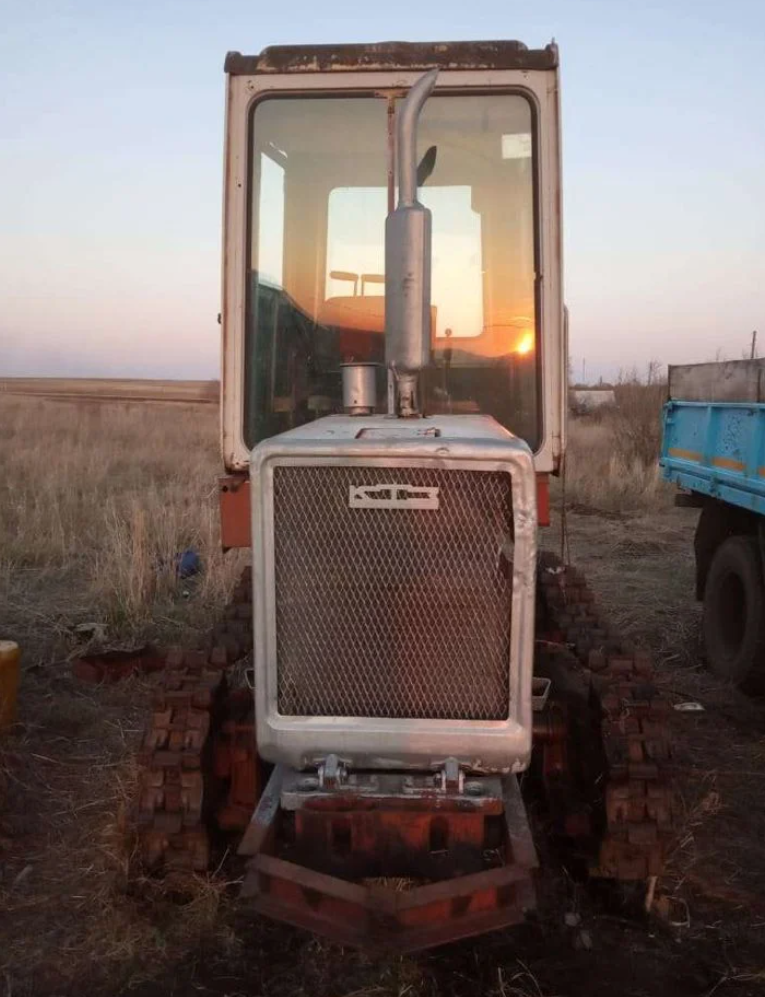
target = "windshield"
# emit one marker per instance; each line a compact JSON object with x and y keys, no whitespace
{"x":322,"y":185}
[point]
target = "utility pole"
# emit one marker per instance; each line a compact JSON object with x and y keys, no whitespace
{"x":584,"y":370}
{"x":754,"y":344}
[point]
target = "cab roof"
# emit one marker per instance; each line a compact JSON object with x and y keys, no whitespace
{"x":392,"y":55}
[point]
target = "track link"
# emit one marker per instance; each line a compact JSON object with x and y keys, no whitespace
{"x":171,"y":817}
{"x":639,"y":804}
{"x":175,"y":754}
{"x":234,"y":632}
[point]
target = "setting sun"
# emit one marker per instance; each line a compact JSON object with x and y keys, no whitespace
{"x":525,"y":344}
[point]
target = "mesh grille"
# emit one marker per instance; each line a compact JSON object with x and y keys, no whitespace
{"x":400,"y":613}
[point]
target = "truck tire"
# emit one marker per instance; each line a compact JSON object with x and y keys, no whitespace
{"x":734,"y":614}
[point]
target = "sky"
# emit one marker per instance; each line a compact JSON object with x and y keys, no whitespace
{"x":111,"y":139}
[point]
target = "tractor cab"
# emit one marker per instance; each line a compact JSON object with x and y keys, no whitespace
{"x":310,"y":178}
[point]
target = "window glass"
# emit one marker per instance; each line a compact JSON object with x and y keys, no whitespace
{"x":481,"y":193}
{"x":315,"y":295}
{"x":271,"y":221}
{"x":304,"y":307}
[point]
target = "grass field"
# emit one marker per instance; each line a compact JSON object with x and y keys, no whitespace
{"x":111,"y":389}
{"x":95,"y":502}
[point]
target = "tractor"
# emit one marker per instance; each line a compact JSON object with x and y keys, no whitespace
{"x":416,"y":676}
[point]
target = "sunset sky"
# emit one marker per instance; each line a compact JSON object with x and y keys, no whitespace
{"x":110,"y":170}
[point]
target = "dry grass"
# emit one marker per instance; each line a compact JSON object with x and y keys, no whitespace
{"x":636,"y":421}
{"x":611,"y":465}
{"x":115,"y":389}
{"x":99,"y":500}
{"x":601,"y":478}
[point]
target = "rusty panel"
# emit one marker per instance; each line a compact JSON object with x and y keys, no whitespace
{"x":392,"y":55}
{"x":512,"y":910}
{"x":235,"y":528}
{"x":365,"y":844}
{"x":380,"y":919}
{"x":377,"y":915}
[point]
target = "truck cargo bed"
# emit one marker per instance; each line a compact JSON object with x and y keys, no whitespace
{"x":717,"y":448}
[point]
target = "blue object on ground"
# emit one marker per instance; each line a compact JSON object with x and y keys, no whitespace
{"x":187,"y":564}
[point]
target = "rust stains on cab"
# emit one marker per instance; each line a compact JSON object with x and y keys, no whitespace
{"x":392,"y":55}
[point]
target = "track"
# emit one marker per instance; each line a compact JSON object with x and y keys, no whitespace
{"x":188,"y":711}
{"x":640,"y":808}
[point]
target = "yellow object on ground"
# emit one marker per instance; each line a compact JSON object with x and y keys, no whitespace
{"x":10,"y":659}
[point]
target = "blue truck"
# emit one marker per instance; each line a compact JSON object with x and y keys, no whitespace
{"x":713,"y":448}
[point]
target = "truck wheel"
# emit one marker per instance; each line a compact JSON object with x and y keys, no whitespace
{"x":734,"y":614}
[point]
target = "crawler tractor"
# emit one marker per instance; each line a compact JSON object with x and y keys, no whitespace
{"x":420,"y":676}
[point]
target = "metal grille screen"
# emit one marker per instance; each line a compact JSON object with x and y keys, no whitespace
{"x":392,"y":612}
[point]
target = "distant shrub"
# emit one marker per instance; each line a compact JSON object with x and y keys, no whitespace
{"x":592,"y":402}
{"x":600,"y":476}
{"x":636,"y":421}
{"x":612,"y":454}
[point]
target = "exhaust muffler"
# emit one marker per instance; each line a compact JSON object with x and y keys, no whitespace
{"x":408,"y":263}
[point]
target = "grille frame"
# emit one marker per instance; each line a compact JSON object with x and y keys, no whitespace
{"x":384,"y":611}
{"x":384,"y":743}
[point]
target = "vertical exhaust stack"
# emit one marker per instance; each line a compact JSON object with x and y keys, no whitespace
{"x":407,"y":263}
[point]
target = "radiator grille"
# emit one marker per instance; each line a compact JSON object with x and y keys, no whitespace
{"x":392,"y":612}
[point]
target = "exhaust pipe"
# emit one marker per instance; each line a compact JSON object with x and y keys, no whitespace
{"x":407,"y":263}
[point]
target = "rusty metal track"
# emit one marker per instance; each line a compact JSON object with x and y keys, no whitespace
{"x":178,"y":748}
{"x":171,"y":817}
{"x":639,"y":804}
{"x":234,"y":632}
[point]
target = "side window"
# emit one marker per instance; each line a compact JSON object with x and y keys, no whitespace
{"x":354,"y":280}
{"x":317,"y":163}
{"x":356,"y":242}
{"x":270,"y":244}
{"x":457,"y":262}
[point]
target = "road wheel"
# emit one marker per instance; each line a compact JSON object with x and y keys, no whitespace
{"x":734,"y":614}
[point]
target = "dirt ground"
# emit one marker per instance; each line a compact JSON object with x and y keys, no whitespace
{"x":76,"y":918}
